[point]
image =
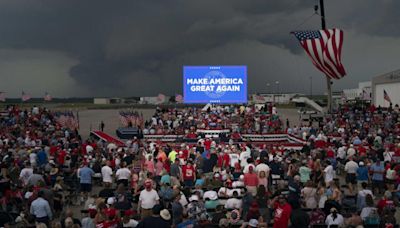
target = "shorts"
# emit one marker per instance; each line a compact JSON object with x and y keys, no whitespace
{"x":351,"y":178}
{"x":378,"y":184}
{"x":123,"y":181}
{"x":86,"y":187}
{"x":188,"y":183}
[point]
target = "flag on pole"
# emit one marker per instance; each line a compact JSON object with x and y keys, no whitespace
{"x":161,"y":98}
{"x":47,"y":97}
{"x":386,"y":96}
{"x":343,"y":97}
{"x":365,"y":95}
{"x":179,"y":98}
{"x":2,"y":96}
{"x":25,"y":97}
{"x":324,"y":48}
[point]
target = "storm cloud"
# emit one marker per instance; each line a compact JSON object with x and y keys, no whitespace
{"x":138,"y":47}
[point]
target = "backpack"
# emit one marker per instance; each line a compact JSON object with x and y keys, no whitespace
{"x":372,"y":218}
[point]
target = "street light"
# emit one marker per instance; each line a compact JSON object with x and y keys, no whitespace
{"x":277,"y":84}
{"x":268,"y":87}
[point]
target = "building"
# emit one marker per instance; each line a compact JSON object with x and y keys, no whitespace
{"x":101,"y":100}
{"x":282,"y":98}
{"x":108,"y":100}
{"x":390,"y":83}
{"x":363,"y":92}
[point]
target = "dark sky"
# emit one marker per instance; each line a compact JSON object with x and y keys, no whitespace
{"x":138,"y":47}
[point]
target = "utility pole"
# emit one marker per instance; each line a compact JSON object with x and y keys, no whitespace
{"x":328,"y":80}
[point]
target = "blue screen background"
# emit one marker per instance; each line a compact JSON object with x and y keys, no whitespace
{"x":229,"y":97}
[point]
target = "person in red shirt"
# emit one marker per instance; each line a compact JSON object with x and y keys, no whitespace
{"x":207,"y":144}
{"x":330,"y":153}
{"x":112,"y":218}
{"x":61,"y":157}
{"x":189,"y":174}
{"x":362,"y":151}
{"x":223,"y":160}
{"x":282,"y":213}
{"x":251,"y":181}
{"x":386,"y":201}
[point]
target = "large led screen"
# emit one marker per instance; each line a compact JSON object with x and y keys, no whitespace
{"x":215,"y":84}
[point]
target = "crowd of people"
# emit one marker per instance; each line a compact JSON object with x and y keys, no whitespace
{"x":239,"y":119}
{"x":345,"y":175}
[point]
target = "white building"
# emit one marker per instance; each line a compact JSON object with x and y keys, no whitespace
{"x":101,"y":100}
{"x":390,"y":83}
{"x":282,"y":98}
{"x":363,"y":92}
{"x":153,"y":100}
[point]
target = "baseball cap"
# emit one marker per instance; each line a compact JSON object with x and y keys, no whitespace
{"x":253,"y":223}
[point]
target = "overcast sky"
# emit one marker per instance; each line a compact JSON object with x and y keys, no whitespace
{"x":138,"y":47}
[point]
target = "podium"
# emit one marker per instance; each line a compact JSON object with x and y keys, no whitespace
{"x":129,"y":133}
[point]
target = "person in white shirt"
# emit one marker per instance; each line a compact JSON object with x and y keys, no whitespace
{"x":26,"y":173}
{"x":209,"y":194}
{"x":368,"y":209}
{"x":147,"y":199}
{"x":351,"y":170}
{"x":329,"y":173}
{"x":226,"y":192}
{"x":351,"y":151}
{"x":123,"y":174}
{"x":246,"y":168}
{"x":107,"y":173}
{"x":362,"y":196}
{"x":244,"y":155}
{"x":33,"y":158}
{"x":334,"y":218}
{"x":341,"y":153}
{"x":233,"y":203}
{"x":239,"y":183}
{"x":234,"y":158}
{"x":388,"y":155}
{"x":263,"y":167}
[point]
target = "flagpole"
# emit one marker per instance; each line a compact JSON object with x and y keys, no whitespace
{"x":328,"y":80}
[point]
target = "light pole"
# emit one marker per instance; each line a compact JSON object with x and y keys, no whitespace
{"x":311,"y":87}
{"x":277,"y":85}
{"x":268,"y":88}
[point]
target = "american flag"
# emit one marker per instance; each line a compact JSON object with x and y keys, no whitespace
{"x":47,"y":97}
{"x":179,"y":98}
{"x":2,"y":96}
{"x":366,"y":96}
{"x":161,"y":98}
{"x":25,"y":97}
{"x":386,"y":96}
{"x":67,"y":120}
{"x":127,"y":117}
{"x":324,"y":48}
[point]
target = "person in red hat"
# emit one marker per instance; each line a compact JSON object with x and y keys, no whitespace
{"x":112,"y":219}
{"x":147,"y":199}
{"x":127,"y":220}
